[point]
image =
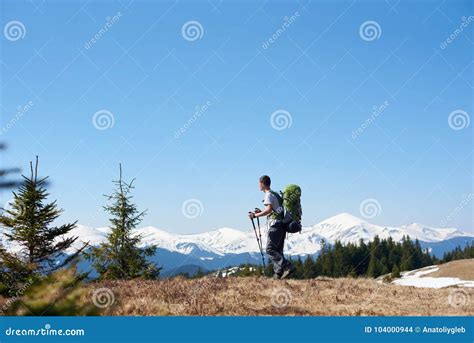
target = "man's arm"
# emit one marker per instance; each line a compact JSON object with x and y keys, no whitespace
{"x":267,"y":210}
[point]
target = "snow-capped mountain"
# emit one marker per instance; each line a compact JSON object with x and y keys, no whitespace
{"x":229,"y":247}
{"x":348,"y":228}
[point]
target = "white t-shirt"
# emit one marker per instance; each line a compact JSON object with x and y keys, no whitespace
{"x":272,"y":200}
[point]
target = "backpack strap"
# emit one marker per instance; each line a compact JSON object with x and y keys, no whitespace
{"x":278,"y":214}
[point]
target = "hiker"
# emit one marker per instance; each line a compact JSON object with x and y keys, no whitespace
{"x":274,"y":211}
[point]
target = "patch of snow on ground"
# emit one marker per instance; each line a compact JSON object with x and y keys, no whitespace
{"x":414,"y":278}
{"x":420,"y":272}
{"x":433,"y":282}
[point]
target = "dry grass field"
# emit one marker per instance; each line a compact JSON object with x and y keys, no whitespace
{"x":262,"y":296}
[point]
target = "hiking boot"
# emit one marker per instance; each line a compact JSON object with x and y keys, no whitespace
{"x":290,"y":269}
{"x":276,"y":277}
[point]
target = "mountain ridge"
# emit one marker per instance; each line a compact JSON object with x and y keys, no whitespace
{"x":344,"y":227}
{"x":226,"y":246}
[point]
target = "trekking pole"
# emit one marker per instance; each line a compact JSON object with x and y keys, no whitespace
{"x":259,"y":243}
{"x":257,"y":210}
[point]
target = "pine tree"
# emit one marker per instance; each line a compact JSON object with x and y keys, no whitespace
{"x":29,"y":223}
{"x":325,"y":258}
{"x":417,"y":255}
{"x":384,"y":268}
{"x":407,"y":254}
{"x":13,"y":273}
{"x":299,"y":268}
{"x":308,"y":268}
{"x":395,"y":271}
{"x":58,"y":294}
{"x":119,"y":257}
{"x":338,"y":259}
{"x":201,"y":273}
{"x":373,"y":270}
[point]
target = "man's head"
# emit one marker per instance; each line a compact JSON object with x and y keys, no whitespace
{"x":265,"y":182}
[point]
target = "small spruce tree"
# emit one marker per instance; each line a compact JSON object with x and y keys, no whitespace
{"x":395,"y":271}
{"x":30,"y":223}
{"x":374,"y":269}
{"x":13,"y":272}
{"x":61,"y":293}
{"x":119,"y":257}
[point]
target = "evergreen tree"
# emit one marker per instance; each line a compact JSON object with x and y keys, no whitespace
{"x":58,"y":294}
{"x":373,"y":259}
{"x":29,"y":223}
{"x":373,"y":270}
{"x":459,"y":253}
{"x":395,"y":271}
{"x":13,"y":273}
{"x":199,"y":273}
{"x":308,"y":267}
{"x":299,"y":272}
{"x":384,"y":268}
{"x":325,"y":259}
{"x":407,"y":254}
{"x":337,"y":261}
{"x":417,"y":255}
{"x":360,"y":262}
{"x":120,"y":257}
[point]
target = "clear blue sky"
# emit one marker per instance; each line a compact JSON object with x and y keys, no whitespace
{"x":321,"y":68}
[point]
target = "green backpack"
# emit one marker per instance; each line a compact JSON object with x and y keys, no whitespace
{"x":289,"y":213}
{"x":292,"y":202}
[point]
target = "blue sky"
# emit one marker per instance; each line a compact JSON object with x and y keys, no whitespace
{"x":322,"y":72}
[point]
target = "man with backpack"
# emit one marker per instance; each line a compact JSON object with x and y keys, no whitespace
{"x":275,"y":213}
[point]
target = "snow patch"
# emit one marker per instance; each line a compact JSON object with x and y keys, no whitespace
{"x":415,"y":278}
